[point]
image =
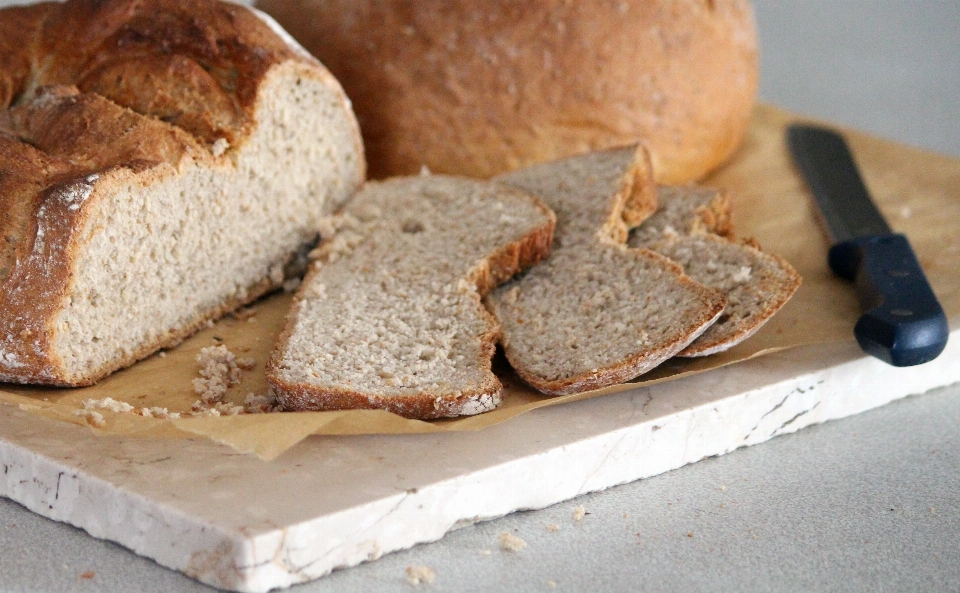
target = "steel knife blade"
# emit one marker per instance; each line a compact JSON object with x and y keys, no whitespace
{"x":902,"y":323}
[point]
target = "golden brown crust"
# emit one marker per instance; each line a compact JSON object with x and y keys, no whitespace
{"x":19,"y":32}
{"x":197,"y":64}
{"x":91,"y":93}
{"x":480,"y":88}
{"x":486,"y":275}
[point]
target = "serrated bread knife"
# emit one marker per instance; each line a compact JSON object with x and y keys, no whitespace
{"x":902,"y":322}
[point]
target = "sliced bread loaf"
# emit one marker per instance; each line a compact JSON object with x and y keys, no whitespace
{"x":687,"y":228}
{"x":160,"y":163}
{"x":597,"y":313}
{"x":390,"y":316}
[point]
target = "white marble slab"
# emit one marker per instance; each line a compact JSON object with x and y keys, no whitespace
{"x":239,"y":523}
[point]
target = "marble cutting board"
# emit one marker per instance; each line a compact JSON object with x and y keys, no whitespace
{"x":239,"y":523}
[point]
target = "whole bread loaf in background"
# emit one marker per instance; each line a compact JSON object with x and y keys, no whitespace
{"x":483,"y":87}
{"x":161,"y":161}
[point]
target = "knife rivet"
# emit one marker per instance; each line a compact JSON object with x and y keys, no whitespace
{"x":898,"y":273}
{"x":901,"y":312}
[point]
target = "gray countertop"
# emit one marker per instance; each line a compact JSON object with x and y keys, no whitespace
{"x":866,"y":503}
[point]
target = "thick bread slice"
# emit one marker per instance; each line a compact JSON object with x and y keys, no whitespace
{"x":687,"y":230}
{"x":597,"y":313}
{"x":160,"y":163}
{"x":391,"y":316}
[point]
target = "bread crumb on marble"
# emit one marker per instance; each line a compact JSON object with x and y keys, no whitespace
{"x":579,"y":513}
{"x":510,"y":542}
{"x":420,"y":574}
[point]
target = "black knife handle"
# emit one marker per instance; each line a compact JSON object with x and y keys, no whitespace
{"x":902,"y":324}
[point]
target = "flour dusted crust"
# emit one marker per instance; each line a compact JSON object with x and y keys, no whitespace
{"x":194,"y":112}
{"x":483,"y":87}
{"x":390,"y":317}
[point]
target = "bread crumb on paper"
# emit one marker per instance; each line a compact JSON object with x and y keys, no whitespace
{"x":220,"y":370}
{"x":157,"y":412}
{"x":244,"y":313}
{"x":94,"y":419}
{"x":553,"y":527}
{"x":107,"y":403}
{"x":510,"y":542}
{"x":420,"y":574}
{"x":579,"y":513}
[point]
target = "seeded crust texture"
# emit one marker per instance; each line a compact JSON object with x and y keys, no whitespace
{"x":160,"y":161}
{"x":597,"y":313}
{"x":390,"y":316}
{"x":692,"y":227}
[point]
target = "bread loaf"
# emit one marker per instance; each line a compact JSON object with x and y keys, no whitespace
{"x":391,"y":316}
{"x":597,"y":313}
{"x":483,"y":87}
{"x":160,"y":161}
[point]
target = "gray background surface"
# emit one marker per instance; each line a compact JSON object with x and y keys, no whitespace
{"x":866,"y":503}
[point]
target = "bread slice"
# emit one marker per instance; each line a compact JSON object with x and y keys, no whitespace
{"x":686,"y":210}
{"x":687,"y":228}
{"x":597,"y":313}
{"x":160,"y":163}
{"x":391,"y":316}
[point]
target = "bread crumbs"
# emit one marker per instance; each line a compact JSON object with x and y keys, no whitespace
{"x":579,"y":513}
{"x":107,"y":403}
{"x":218,"y":372}
{"x":510,"y":542}
{"x":420,"y":574}
{"x":94,"y":419}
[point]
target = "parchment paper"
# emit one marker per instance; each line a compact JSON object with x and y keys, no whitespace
{"x":918,"y":192}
